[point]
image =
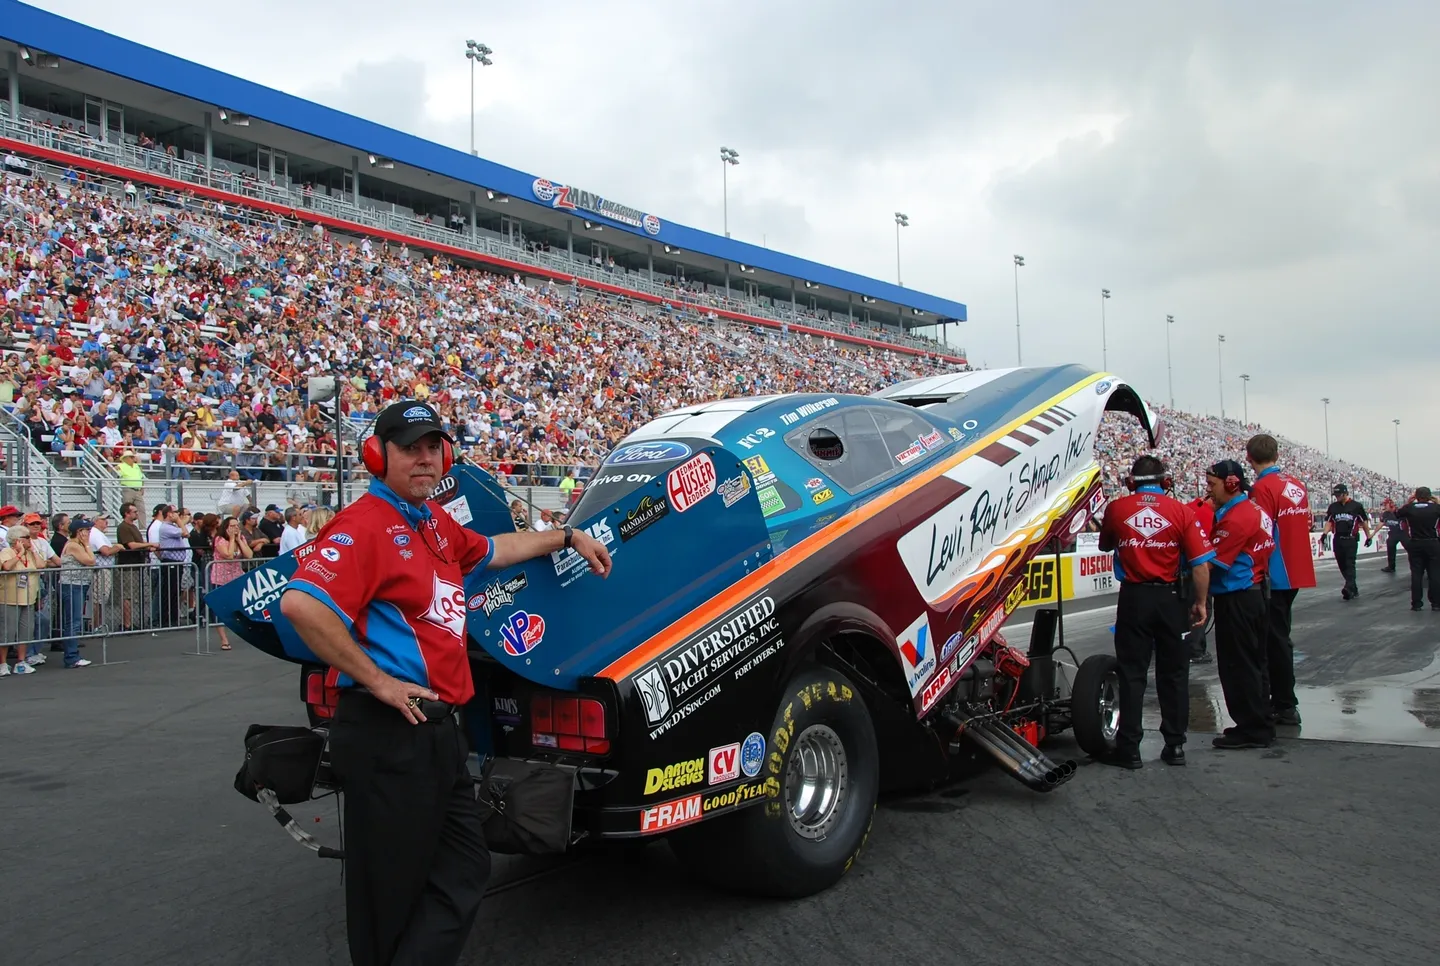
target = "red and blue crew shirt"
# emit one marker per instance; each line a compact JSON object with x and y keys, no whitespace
{"x":394,"y":573}
{"x":1285,"y":500}
{"x":1243,"y":546}
{"x":1153,"y":536}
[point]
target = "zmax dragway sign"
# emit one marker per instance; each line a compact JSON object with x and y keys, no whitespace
{"x":566,"y":198}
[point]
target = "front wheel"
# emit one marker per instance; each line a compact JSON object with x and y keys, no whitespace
{"x":823,"y":760}
{"x":1095,"y":704}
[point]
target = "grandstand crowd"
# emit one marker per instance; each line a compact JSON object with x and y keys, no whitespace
{"x":175,"y":337}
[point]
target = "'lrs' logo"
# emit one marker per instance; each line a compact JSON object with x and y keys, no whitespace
{"x":447,"y":608}
{"x":1294,"y":492}
{"x":1147,"y":522}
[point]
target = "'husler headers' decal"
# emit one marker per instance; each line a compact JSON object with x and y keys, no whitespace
{"x":1011,"y":482}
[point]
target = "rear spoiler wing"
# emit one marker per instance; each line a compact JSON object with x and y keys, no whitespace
{"x":676,"y":542}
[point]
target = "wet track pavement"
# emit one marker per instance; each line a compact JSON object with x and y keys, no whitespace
{"x":125,"y":843}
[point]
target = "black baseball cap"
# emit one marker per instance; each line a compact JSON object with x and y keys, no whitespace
{"x":408,"y":420}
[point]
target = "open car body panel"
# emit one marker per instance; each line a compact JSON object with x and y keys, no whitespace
{"x":746,"y":533}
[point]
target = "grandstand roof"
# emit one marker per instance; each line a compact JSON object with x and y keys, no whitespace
{"x":155,"y":77}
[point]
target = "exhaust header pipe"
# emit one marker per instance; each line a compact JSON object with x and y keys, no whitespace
{"x":1024,"y":761}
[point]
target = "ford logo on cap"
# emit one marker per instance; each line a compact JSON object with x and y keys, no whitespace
{"x":418,"y":412}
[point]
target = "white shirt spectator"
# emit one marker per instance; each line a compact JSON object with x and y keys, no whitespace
{"x":292,"y":537}
{"x":98,"y":542}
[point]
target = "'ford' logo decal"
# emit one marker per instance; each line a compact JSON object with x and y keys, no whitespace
{"x":658,"y":452}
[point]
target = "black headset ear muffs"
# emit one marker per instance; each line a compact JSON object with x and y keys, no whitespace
{"x":373,"y":455}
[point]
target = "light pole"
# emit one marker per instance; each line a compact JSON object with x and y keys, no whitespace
{"x":1169,"y":371}
{"x":901,"y":221}
{"x":1220,"y":369}
{"x":1104,"y":350}
{"x":1019,"y":264}
{"x":1245,"y":392}
{"x":1397,"y":449}
{"x":475,"y":53}
{"x":728,"y":158}
{"x":1326,"y":401}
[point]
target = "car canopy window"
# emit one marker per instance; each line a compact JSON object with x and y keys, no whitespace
{"x":846,"y":446}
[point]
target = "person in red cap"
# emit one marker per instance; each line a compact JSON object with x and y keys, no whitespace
{"x":381,"y":601}
{"x":9,"y":517}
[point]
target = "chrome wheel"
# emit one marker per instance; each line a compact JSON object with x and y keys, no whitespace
{"x":815,"y":781}
{"x":1110,"y":706}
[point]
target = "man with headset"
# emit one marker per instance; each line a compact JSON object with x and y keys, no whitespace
{"x":381,"y":601}
{"x":1154,"y":536}
{"x":1243,"y":546}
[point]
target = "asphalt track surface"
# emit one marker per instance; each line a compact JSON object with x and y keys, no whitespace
{"x":125,"y":843}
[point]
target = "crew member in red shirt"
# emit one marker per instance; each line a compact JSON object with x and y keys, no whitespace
{"x":1205,"y":510}
{"x":1292,"y":568}
{"x":379,"y":597}
{"x":1237,"y":575}
{"x":1153,"y":536}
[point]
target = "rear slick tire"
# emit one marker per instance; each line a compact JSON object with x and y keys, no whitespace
{"x":824,"y":772}
{"x":1094,"y":704}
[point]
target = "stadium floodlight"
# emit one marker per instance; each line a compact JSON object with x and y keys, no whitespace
{"x":747,"y":269}
{"x":1220,"y":371}
{"x":476,"y":53}
{"x":812,"y":285}
{"x":236,"y":120}
{"x":867,"y":299}
{"x":671,"y":250}
{"x":591,"y":226}
{"x":1104,"y":349}
{"x":902,"y":220}
{"x":378,"y":162}
{"x":1019,"y":264}
{"x":1397,"y":449}
{"x":1169,"y":372}
{"x":37,"y":58}
{"x":1326,"y":401}
{"x":728,"y":158}
{"x":492,"y":195}
{"x":1245,"y":393}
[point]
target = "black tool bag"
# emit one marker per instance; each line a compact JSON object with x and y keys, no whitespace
{"x":527,"y":805}
{"x":282,"y":758}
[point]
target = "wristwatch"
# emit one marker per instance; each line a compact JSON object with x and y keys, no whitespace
{"x":569,"y":534}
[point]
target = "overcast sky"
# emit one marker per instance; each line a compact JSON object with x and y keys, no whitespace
{"x":1266,"y":171}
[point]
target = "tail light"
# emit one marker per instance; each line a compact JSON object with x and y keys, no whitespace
{"x":568,"y":723}
{"x":320,"y":692}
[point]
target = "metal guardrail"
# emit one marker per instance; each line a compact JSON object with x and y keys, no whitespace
{"x":141,"y":159}
{"x":98,"y":603}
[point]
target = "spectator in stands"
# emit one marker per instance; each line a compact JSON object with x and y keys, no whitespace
{"x":517,"y":516}
{"x":231,"y":550}
{"x":77,"y":572}
{"x":293,"y":534}
{"x":249,"y":528}
{"x":105,"y":551}
{"x":133,"y":555}
{"x":19,"y":591}
{"x":9,"y":517}
{"x":59,"y":532}
{"x":168,"y":532}
{"x":272,"y":526}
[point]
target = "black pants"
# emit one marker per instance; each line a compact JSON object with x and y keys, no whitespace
{"x":415,"y":855}
{"x":1240,"y":631}
{"x":1280,"y":651}
{"x":1424,"y":559}
{"x":1392,"y":544}
{"x":1195,"y":636}
{"x":1151,"y":617}
{"x":1345,"y":548}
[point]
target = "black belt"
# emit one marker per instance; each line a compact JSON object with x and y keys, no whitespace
{"x":1150,"y":583}
{"x":360,"y":705}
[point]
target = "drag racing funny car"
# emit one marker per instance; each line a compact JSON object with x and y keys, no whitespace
{"x":804,"y":611}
